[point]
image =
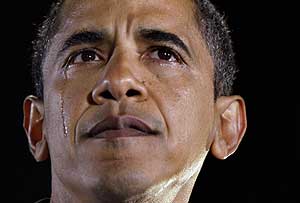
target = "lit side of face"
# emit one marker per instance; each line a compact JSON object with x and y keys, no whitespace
{"x":119,"y":59}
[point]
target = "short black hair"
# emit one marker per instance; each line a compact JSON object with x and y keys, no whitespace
{"x":213,"y":29}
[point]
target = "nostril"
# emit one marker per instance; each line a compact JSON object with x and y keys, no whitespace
{"x":132,"y":93}
{"x":107,"y":95}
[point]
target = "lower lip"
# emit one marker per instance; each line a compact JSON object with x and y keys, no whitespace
{"x":126,"y":132}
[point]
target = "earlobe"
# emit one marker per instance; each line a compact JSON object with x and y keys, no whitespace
{"x":33,"y":124}
{"x":230,"y":125}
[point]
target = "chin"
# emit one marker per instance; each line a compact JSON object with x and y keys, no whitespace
{"x":124,"y":168}
{"x":120,"y":180}
{"x":122,"y":184}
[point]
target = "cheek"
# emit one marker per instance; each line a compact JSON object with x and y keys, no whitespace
{"x":187,"y":105}
{"x":65,"y":101}
{"x":76,"y":100}
{"x":57,"y":130}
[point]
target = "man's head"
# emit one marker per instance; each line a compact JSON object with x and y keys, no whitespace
{"x":132,"y":95}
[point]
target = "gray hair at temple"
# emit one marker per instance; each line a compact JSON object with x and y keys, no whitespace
{"x":211,"y":24}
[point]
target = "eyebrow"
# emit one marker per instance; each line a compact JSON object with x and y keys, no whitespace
{"x":90,"y":37}
{"x":162,"y":36}
{"x":83,"y":37}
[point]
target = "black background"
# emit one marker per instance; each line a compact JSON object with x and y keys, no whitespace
{"x":264,"y":168}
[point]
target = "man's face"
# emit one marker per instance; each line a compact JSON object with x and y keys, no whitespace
{"x":128,"y":91}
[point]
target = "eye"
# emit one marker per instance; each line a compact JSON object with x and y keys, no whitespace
{"x":84,"y":56}
{"x":165,"y":54}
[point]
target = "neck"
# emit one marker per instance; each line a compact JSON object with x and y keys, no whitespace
{"x":177,"y":189}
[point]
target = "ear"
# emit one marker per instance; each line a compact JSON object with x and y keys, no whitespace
{"x":229,"y":126}
{"x":33,"y":109}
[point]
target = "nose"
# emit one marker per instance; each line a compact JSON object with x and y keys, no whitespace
{"x":118,"y":82}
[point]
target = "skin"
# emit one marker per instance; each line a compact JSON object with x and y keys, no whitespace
{"x":174,"y":96}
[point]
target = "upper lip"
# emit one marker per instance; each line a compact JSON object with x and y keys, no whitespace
{"x":121,"y":122}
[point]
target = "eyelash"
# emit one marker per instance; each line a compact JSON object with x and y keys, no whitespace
{"x":70,"y":60}
{"x":171,"y":51}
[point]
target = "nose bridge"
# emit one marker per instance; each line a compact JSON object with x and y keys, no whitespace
{"x":122,"y":62}
{"x":119,"y":73}
{"x":120,"y":79}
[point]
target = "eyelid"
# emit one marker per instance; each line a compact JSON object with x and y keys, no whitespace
{"x":74,"y":54}
{"x":177,"y":55}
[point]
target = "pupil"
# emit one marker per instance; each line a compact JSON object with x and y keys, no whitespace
{"x":88,"y":56}
{"x":164,"y":54}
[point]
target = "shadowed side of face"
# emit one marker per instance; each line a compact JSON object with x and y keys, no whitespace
{"x":128,"y":94}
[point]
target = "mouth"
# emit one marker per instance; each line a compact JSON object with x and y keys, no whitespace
{"x":121,"y":126}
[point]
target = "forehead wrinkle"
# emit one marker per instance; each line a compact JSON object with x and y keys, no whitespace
{"x":130,"y":22}
{"x":155,"y":15}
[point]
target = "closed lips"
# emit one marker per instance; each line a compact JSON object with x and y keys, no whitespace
{"x":132,"y":126}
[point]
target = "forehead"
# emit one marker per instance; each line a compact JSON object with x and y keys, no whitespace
{"x":154,"y":13}
{"x":119,"y":17}
{"x":135,"y":5}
